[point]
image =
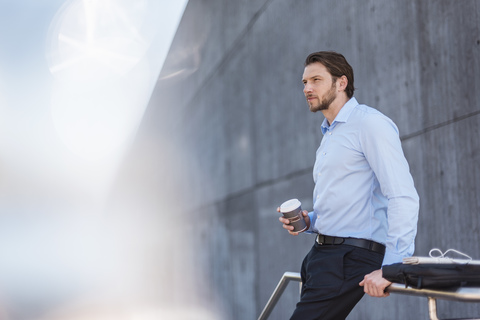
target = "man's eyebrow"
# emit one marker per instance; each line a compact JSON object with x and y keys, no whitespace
{"x":312,"y":77}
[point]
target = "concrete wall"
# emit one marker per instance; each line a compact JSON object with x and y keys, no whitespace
{"x":234,"y":138}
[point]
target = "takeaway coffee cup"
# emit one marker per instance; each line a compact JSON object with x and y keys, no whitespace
{"x":292,"y":210}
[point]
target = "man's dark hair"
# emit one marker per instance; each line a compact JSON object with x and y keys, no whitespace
{"x":336,"y":64}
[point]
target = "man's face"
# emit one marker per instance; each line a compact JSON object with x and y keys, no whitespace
{"x":319,"y":89}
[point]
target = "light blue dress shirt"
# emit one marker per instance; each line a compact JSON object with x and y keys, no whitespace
{"x":363,"y":186}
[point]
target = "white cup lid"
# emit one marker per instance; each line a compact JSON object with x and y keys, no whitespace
{"x":290,"y":205}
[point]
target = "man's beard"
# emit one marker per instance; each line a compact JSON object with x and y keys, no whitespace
{"x":326,"y":101}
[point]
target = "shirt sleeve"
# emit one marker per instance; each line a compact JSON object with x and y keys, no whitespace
{"x":313,"y":219}
{"x":383,"y":150}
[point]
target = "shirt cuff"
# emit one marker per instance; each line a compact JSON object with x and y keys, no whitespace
{"x":391,"y":258}
{"x":312,"y":222}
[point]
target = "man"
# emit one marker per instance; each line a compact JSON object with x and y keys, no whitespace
{"x":365,"y":206}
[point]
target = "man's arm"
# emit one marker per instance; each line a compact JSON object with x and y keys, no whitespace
{"x":383,"y":151}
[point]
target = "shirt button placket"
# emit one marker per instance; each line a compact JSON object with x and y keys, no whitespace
{"x":329,"y":133}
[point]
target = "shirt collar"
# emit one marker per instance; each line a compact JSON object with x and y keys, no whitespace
{"x":342,"y":115}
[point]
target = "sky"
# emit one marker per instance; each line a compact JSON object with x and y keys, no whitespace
{"x":75,"y":80}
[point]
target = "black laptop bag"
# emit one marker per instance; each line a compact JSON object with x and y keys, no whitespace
{"x":433,"y":275}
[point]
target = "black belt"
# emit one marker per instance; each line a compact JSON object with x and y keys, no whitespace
{"x":361,"y":243}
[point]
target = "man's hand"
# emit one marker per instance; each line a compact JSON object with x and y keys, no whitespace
{"x":374,"y":284}
{"x":288,"y":227}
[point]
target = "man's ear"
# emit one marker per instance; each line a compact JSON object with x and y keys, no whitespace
{"x":342,"y":83}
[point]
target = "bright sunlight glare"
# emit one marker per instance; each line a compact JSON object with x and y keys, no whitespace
{"x":75,"y":79}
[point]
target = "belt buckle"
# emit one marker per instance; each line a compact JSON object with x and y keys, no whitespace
{"x":318,"y":240}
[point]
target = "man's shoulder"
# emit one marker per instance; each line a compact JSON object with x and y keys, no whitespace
{"x":364,"y":112}
{"x":367,"y":111}
{"x":371,"y":119}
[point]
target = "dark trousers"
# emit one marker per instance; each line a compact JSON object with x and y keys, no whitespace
{"x":330,"y":277}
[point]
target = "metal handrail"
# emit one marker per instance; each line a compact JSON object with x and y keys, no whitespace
{"x":277,"y":293}
{"x":465,"y":294}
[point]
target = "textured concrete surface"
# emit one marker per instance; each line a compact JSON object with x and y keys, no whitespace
{"x":234,"y":136}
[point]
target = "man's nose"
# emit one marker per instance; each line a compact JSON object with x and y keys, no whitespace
{"x":307,"y":88}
